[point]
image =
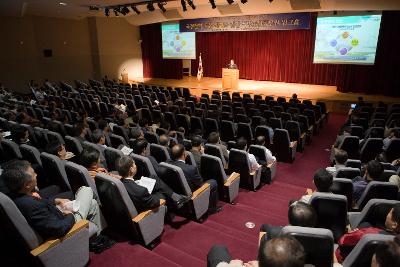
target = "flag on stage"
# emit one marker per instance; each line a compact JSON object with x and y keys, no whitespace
{"x":200,"y":69}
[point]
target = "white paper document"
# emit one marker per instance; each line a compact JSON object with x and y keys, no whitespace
{"x":126,"y":150}
{"x":147,"y":182}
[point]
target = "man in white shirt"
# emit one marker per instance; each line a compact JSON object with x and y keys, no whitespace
{"x":340,"y":162}
{"x":260,"y":140}
{"x":242,"y":145}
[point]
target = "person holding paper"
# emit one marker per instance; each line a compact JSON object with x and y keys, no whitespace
{"x":90,"y":159}
{"x":146,"y":192}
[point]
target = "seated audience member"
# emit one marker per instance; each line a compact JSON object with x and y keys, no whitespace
{"x":23,"y":117}
{"x":387,"y":254}
{"x":197,"y":149}
{"x":144,"y":125}
{"x":140,"y":147}
{"x":58,"y":149}
{"x":164,"y":140}
{"x":294,"y":99}
{"x":323,"y":181}
{"x":103,"y":126}
{"x":140,"y":196}
{"x":370,"y":133}
{"x":346,"y":131}
{"x":260,"y":140}
{"x":348,"y":241}
{"x":213,"y":138}
{"x":20,"y":135}
{"x":50,"y":218}
{"x":340,"y":162}
{"x":90,"y":159}
{"x":241,"y":144}
{"x":193,"y":177}
{"x":137,"y":133}
{"x":81,"y":130}
{"x":299,"y":214}
{"x":373,"y":173}
{"x":99,"y":139}
{"x":394,"y":133}
{"x":284,"y":251}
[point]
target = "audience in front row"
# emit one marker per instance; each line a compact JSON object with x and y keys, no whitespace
{"x":372,"y":173}
{"x":323,"y":181}
{"x":387,"y":254}
{"x":341,"y":157}
{"x":241,"y":144}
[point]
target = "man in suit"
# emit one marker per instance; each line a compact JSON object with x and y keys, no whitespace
{"x":197,"y":149}
{"x":232,"y":65}
{"x":140,"y":196}
{"x":193,"y":177}
{"x":100,"y":140}
{"x":214,"y":139}
{"x":140,"y":147}
{"x":42,"y":214}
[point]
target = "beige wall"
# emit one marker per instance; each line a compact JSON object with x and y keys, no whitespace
{"x":119,"y":48}
{"x":82,"y":49}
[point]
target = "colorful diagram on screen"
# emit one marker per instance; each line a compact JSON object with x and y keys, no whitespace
{"x":343,"y":43}
{"x":175,"y":44}
{"x":347,"y":39}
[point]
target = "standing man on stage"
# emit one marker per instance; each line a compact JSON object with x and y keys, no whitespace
{"x":232,"y":65}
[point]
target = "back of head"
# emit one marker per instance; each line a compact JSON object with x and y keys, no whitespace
{"x":177,"y":151}
{"x":213,"y":138}
{"x":97,"y":135}
{"x":15,"y":175}
{"x":164,"y":140}
{"x":54,"y":147}
{"x":136,"y":132}
{"x":347,"y":130}
{"x":323,"y":180}
{"x":139,"y":145}
{"x":241,"y":143}
{"x":18,"y":133}
{"x":284,"y":251}
{"x":124,"y":164}
{"x":374,"y":133}
{"x":102,"y":124}
{"x":79,"y":127}
{"x":196,"y":141}
{"x":341,"y":156}
{"x":89,"y":157}
{"x":302,"y":214}
{"x":260,"y":140}
{"x":375,"y":170}
{"x":387,"y":254}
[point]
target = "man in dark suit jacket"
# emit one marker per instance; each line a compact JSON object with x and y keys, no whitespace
{"x":139,"y":195}
{"x":193,"y":177}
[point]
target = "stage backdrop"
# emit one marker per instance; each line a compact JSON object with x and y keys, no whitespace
{"x":284,"y":56}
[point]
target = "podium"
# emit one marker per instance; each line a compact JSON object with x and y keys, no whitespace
{"x":230,"y":79}
{"x":125,"y":78}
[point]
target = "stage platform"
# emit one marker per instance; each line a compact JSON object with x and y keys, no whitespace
{"x":336,"y":101}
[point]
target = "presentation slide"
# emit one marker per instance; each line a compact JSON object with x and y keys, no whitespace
{"x":177,"y":45}
{"x":347,"y":39}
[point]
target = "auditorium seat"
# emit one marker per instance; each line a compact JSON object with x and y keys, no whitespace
{"x":260,"y":153}
{"x":371,"y":148}
{"x":348,"y":173}
{"x":350,"y":144}
{"x":10,"y":150}
{"x":344,"y":187}
{"x":227,"y":131}
{"x":117,"y":141}
{"x":375,"y":189}
{"x":374,"y":212}
{"x":55,"y":171}
{"x":199,"y":203}
{"x":215,"y":151}
{"x":228,"y":186}
{"x":79,"y":176}
{"x":362,"y":253}
{"x":73,"y":145}
{"x":111,"y":155}
{"x":282,"y":147}
{"x":123,"y":217}
{"x":295,"y":134}
{"x":353,"y":163}
{"x":317,"y":243}
{"x":160,"y":153}
{"x":239,"y":162}
{"x":73,"y":248}
{"x":392,"y":152}
{"x":331,"y":212}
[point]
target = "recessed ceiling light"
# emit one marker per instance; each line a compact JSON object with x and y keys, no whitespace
{"x":63,"y":4}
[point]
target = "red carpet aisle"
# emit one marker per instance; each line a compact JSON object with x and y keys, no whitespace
{"x":188,"y":244}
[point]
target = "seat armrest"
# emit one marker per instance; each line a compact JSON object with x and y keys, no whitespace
{"x":252,"y":173}
{"x":261,"y":236}
{"x":231,"y":178}
{"x":146,"y":213}
{"x":203,"y":188}
{"x":53,"y":242}
{"x":302,"y":135}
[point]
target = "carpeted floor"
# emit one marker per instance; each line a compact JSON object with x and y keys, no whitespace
{"x":188,"y":245}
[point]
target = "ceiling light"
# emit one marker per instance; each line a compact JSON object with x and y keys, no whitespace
{"x":183,"y":3}
{"x":243,"y":1}
{"x":231,"y":1}
{"x":190,"y":2}
{"x":150,"y":7}
{"x":212,"y":2}
{"x":134,"y":8}
{"x":63,"y":4}
{"x":161,"y":7}
{"x":107,"y":11}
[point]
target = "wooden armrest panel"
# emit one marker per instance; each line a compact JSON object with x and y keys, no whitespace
{"x":200,"y":190}
{"x":260,"y":236}
{"x":146,"y":213}
{"x":303,"y":135}
{"x":252,"y":173}
{"x":293,"y":144}
{"x":231,"y":178}
{"x":52,"y":242}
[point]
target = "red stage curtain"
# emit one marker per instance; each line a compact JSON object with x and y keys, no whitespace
{"x":154,"y":66}
{"x":286,"y":56}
